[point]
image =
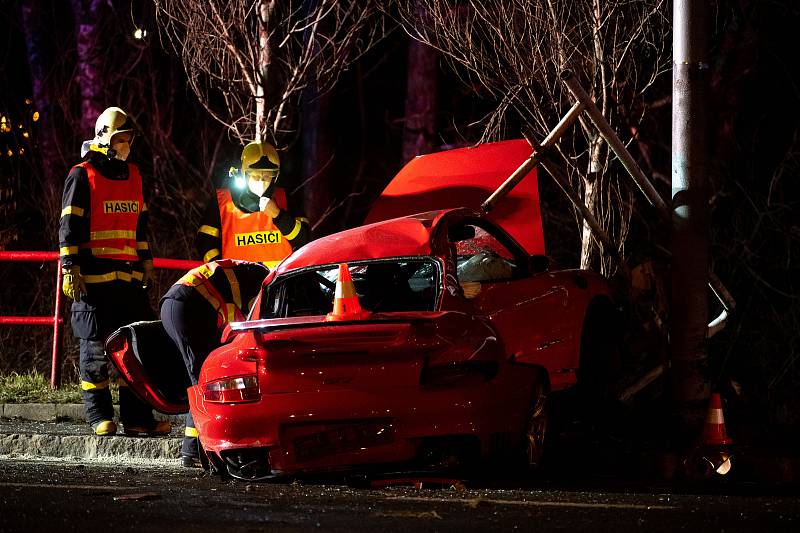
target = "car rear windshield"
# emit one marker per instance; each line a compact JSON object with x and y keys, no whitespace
{"x":382,"y":286}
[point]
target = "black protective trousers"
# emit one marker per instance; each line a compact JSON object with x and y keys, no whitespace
{"x":192,"y":326}
{"x":106,"y":307}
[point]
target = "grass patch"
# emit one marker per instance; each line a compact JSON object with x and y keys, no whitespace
{"x":34,"y":387}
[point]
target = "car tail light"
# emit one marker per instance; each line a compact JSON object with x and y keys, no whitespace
{"x":232,"y":390}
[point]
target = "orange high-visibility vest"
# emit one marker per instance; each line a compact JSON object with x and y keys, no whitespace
{"x":114,"y":207}
{"x":200,"y":279}
{"x":251,"y":236}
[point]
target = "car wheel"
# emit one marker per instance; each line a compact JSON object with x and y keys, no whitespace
{"x":537,"y":423}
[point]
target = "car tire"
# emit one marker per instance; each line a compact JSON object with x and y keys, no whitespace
{"x":537,"y":423}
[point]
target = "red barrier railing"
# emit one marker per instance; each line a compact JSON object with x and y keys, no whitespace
{"x":55,"y":320}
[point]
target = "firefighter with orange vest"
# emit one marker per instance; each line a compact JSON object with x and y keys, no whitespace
{"x":106,"y":265}
{"x":196,"y":309}
{"x":249,"y":220}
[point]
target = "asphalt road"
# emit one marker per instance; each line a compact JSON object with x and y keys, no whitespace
{"x":66,"y":496}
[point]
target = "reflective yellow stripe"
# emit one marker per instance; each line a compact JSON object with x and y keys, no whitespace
{"x":210,"y":255}
{"x":142,"y":245}
{"x":303,"y":219}
{"x":112,"y":234}
{"x":102,"y":250}
{"x":198,"y":275}
{"x":191,"y":432}
{"x":137,"y":275}
{"x":88,"y":385}
{"x":295,"y":230}
{"x":235,"y":292}
{"x":111,"y":276}
{"x":209,"y":230}
{"x":190,"y":279}
{"x":231,"y":312}
{"x":144,"y":207}
{"x":271,"y":264}
{"x":68,"y":250}
{"x":72,"y":210}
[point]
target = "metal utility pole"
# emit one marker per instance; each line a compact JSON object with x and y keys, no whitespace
{"x":690,"y":212}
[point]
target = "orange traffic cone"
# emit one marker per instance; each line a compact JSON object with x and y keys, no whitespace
{"x":714,"y":433}
{"x":345,"y":301}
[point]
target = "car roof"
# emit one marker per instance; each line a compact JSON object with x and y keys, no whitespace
{"x":398,"y":237}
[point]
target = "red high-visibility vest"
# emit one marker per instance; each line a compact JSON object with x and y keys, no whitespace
{"x":251,"y":236}
{"x":114,"y":207}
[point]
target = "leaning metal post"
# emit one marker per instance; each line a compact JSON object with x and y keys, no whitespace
{"x":614,"y":142}
{"x":598,"y":233}
{"x":534,"y":159}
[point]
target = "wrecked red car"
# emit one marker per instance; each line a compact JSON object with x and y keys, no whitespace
{"x":464,"y":329}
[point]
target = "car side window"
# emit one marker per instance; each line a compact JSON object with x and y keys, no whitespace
{"x":482,"y":257}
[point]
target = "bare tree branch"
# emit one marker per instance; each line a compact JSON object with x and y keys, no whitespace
{"x":248,"y":61}
{"x":515,"y":49}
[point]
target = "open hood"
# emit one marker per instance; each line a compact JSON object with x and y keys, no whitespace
{"x":465,"y":177}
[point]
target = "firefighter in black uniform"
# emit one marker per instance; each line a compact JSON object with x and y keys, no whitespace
{"x":106,"y":264}
{"x":249,"y":219}
{"x":195,"y":310}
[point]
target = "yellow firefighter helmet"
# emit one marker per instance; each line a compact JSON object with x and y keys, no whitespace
{"x":260,"y":157}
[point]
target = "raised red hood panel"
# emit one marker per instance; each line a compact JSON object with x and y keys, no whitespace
{"x":465,"y":177}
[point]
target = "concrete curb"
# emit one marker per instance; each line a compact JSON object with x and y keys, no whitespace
{"x":89,"y":447}
{"x":28,"y":443}
{"x":51,"y":412}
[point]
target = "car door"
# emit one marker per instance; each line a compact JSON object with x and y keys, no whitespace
{"x":529,"y":309}
{"x":150,"y":363}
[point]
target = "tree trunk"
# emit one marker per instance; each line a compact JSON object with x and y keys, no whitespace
{"x":265,"y":10}
{"x":40,"y":62}
{"x":590,"y":196}
{"x":420,"y":112}
{"x":88,"y":14}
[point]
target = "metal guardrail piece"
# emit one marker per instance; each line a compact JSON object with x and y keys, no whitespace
{"x":55,"y":320}
{"x":583,"y":102}
{"x":616,"y":144}
{"x":647,"y":188}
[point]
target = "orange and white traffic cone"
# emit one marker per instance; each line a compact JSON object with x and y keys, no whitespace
{"x":712,"y":455}
{"x":345,"y":302}
{"x":714,"y":433}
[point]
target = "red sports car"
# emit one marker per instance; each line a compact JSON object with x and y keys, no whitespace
{"x":461,"y":335}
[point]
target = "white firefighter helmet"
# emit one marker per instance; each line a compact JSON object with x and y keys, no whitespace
{"x":111,"y":122}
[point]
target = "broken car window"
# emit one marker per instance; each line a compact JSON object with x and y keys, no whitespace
{"x":483,"y":258}
{"x":382,"y":286}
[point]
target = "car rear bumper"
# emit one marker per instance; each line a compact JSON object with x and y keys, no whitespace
{"x":317,"y":431}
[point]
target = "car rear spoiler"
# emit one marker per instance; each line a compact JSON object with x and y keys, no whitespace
{"x":278,"y":324}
